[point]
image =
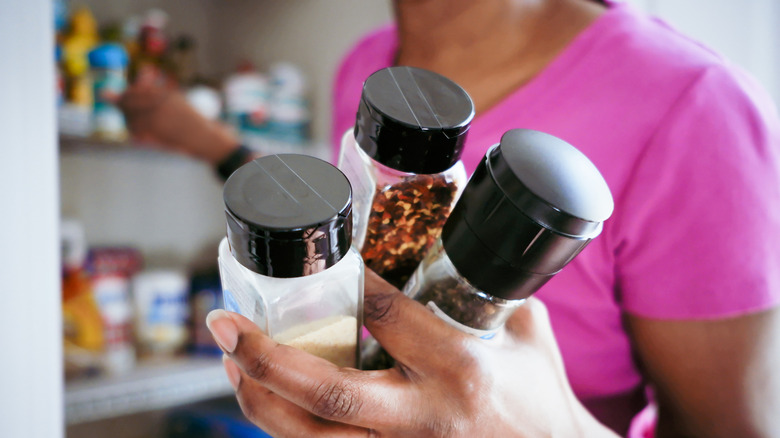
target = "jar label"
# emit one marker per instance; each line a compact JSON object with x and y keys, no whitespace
{"x":482,"y":334}
{"x":237,"y":298}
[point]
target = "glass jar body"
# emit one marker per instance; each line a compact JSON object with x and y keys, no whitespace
{"x":320,"y":313}
{"x":439,"y":286}
{"x":397,"y":215}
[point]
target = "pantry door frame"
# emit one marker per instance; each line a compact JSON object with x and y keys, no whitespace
{"x":31,"y":382}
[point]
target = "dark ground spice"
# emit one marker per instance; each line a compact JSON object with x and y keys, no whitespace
{"x":461,"y":303}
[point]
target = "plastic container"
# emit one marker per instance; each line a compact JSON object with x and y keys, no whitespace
{"x":205,"y":296}
{"x":108,"y":65}
{"x":531,"y":206}
{"x":287,"y":262}
{"x":161,"y":311}
{"x":247,"y":95}
{"x":403,"y":160}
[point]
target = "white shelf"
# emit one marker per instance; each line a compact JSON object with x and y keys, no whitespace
{"x":150,"y":386}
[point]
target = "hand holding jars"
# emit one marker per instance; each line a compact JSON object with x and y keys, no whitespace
{"x":445,"y":382}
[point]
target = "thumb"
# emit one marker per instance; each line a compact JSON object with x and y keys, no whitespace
{"x":530,"y":321}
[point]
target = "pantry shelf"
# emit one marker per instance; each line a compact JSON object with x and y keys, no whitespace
{"x":149,"y":387}
{"x":79,"y":144}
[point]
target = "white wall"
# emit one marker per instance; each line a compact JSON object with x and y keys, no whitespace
{"x":30,"y":328}
{"x":746,"y":31}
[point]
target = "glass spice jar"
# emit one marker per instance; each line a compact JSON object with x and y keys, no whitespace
{"x":531,"y":206}
{"x":287,"y":262}
{"x":403,"y":160}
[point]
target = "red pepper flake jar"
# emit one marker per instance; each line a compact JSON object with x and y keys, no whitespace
{"x":403,"y":161}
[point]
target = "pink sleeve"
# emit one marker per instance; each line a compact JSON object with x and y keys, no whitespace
{"x":698,"y":233}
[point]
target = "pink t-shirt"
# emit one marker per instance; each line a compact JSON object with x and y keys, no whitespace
{"x":690,"y":147}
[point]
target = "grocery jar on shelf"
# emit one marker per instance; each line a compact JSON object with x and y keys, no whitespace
{"x":403,"y":160}
{"x":287,"y":262}
{"x":108,"y":65}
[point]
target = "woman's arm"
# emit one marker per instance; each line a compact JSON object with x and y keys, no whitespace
{"x":716,"y":378}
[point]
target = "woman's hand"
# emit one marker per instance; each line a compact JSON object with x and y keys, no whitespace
{"x":162,"y":117}
{"x":445,"y":383}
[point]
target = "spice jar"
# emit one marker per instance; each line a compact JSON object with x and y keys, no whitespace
{"x":531,"y":206}
{"x":287,"y":262}
{"x":403,"y":160}
{"x":108,"y":63}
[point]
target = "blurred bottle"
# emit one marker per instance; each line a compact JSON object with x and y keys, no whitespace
{"x":288,"y":114}
{"x":60,"y":8}
{"x":152,"y":47}
{"x":111,"y":269}
{"x":108,"y":63}
{"x":59,"y":84}
{"x":161,"y":311}
{"x":184,"y":61}
{"x":131,"y":33}
{"x":205,"y":100}
{"x":246,"y":99}
{"x":82,"y":323}
{"x":205,"y":296}
{"x":81,"y":37}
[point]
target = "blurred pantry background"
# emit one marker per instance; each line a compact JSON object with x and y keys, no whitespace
{"x":86,"y":213}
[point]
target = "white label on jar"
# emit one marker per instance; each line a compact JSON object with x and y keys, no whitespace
{"x":482,"y":334}
{"x":237,"y":298}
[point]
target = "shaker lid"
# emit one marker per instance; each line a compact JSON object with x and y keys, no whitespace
{"x":288,"y":215}
{"x":413,"y":120}
{"x":530,"y":207}
{"x":109,"y":55}
{"x":557,"y":174}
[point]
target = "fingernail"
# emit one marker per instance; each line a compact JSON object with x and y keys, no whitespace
{"x":231,"y":369}
{"x":223,"y":329}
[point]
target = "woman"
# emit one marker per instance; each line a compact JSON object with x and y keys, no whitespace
{"x":676,"y":301}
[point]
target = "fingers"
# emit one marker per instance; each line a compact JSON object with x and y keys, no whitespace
{"x":408,"y":331}
{"x":142,"y":99}
{"x":316,"y":385}
{"x":278,"y":416}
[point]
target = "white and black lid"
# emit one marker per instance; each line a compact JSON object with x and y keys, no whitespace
{"x":288,"y":215}
{"x":413,"y":120}
{"x":531,"y":206}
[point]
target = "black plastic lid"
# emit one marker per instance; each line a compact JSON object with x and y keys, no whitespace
{"x":288,"y":215}
{"x":531,"y":206}
{"x":413,"y":120}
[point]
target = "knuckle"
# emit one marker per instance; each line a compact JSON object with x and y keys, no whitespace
{"x":382,"y":309}
{"x":335,"y":400}
{"x":258,"y":367}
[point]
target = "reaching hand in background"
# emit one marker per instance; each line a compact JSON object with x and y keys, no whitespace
{"x":161,"y":116}
{"x":445,"y":383}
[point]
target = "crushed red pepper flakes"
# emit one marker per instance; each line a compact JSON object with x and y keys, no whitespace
{"x":406,"y":219}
